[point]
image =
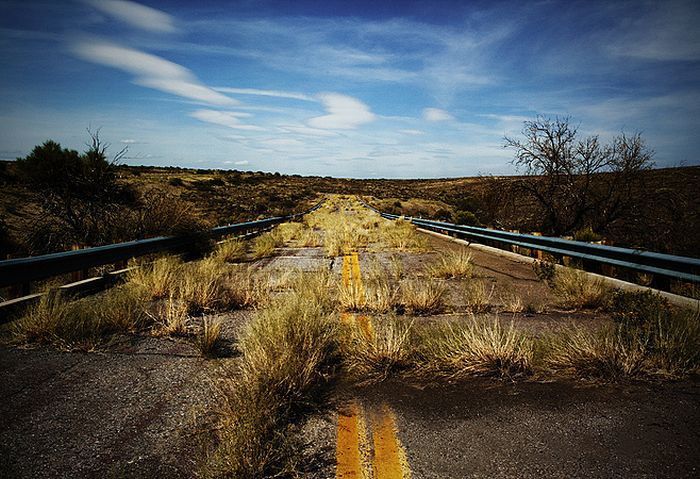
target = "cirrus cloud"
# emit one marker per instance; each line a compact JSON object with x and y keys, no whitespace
{"x":136,"y":15}
{"x":229,"y":119}
{"x":436,"y":114}
{"x":151,"y":71}
{"x":344,"y":113}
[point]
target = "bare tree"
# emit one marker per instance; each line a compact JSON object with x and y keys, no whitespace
{"x":578,"y":182}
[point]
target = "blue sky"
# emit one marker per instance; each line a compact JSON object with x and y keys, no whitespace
{"x":352,"y":89}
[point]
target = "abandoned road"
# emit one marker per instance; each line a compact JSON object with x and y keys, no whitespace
{"x":144,"y":406}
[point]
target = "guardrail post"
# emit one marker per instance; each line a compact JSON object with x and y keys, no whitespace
{"x":18,"y":290}
{"x":661,"y":282}
{"x":535,"y":253}
{"x":80,"y":274}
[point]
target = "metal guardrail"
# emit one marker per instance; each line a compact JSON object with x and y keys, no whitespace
{"x":680,"y":268}
{"x":33,"y":268}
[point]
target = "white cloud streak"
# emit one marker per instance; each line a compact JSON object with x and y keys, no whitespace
{"x":151,"y":71}
{"x":228,"y":119}
{"x":136,"y":15}
{"x":436,"y":114}
{"x":271,"y":93}
{"x":344,"y":113}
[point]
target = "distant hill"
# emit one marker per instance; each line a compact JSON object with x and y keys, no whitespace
{"x":666,"y":218}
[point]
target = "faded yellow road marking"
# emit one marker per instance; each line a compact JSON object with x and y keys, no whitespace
{"x":389,"y":460}
{"x":389,"y":456}
{"x":357,"y":276}
{"x":346,"y":271}
{"x":365,"y":325}
{"x":351,"y":442}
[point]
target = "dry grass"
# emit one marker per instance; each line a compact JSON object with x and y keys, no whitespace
{"x":578,"y":290}
{"x":381,"y":296}
{"x":209,"y":336}
{"x":662,"y":345}
{"x":477,"y":296}
{"x":203,"y":286}
{"x":351,"y":297}
{"x":288,"y":232}
{"x":309,"y":239}
{"x":453,"y":264}
{"x":401,"y":235}
{"x":421,"y":297}
{"x":157,"y":279}
{"x":209,"y":285}
{"x":289,"y":357}
{"x":512,"y":303}
{"x":172,"y":318}
{"x":387,"y":352}
{"x":603,"y":354}
{"x":80,"y":324}
{"x":231,"y":251}
{"x":481,"y":347}
{"x":396,"y":268}
{"x":344,"y":239}
{"x":265,"y":245}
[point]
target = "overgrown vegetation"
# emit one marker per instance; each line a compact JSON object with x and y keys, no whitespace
{"x":80,"y":324}
{"x":290,"y":356}
{"x":162,"y":295}
{"x":574,"y":288}
{"x":453,"y":264}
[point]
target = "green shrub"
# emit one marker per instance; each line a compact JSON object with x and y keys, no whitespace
{"x":587,"y":234}
{"x":465,"y":218}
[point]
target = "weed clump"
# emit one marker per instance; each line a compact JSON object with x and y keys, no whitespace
{"x":387,"y":351}
{"x":290,"y":356}
{"x":265,"y":245}
{"x":453,"y":264}
{"x":80,"y":324}
{"x":231,"y":251}
{"x":209,"y":337}
{"x":421,"y":297}
{"x":475,"y":348}
{"x":648,"y":338}
{"x":401,"y":235}
{"x":158,"y":279}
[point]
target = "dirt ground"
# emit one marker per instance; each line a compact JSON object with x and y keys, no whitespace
{"x":140,"y":406}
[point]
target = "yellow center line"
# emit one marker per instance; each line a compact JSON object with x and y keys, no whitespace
{"x":351,"y":442}
{"x":357,"y":276}
{"x":389,"y":456}
{"x":389,"y":460}
{"x":365,"y":325}
{"x":346,"y":271}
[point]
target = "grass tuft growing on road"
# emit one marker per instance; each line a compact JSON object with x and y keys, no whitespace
{"x":290,"y":355}
{"x":387,"y":351}
{"x":80,"y":324}
{"x":231,"y":251}
{"x":209,"y":336}
{"x":453,"y":264}
{"x":265,"y":245}
{"x":157,"y":279}
{"x":476,"y":347}
{"x":422,"y":297}
{"x":647,"y":339}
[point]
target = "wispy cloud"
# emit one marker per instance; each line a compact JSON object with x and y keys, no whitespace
{"x":344,"y":113}
{"x":151,"y":71}
{"x":271,"y":93}
{"x":667,"y":32}
{"x":436,"y":114}
{"x":228,"y":119}
{"x":136,"y":15}
{"x":412,"y":132}
{"x":306,"y":130}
